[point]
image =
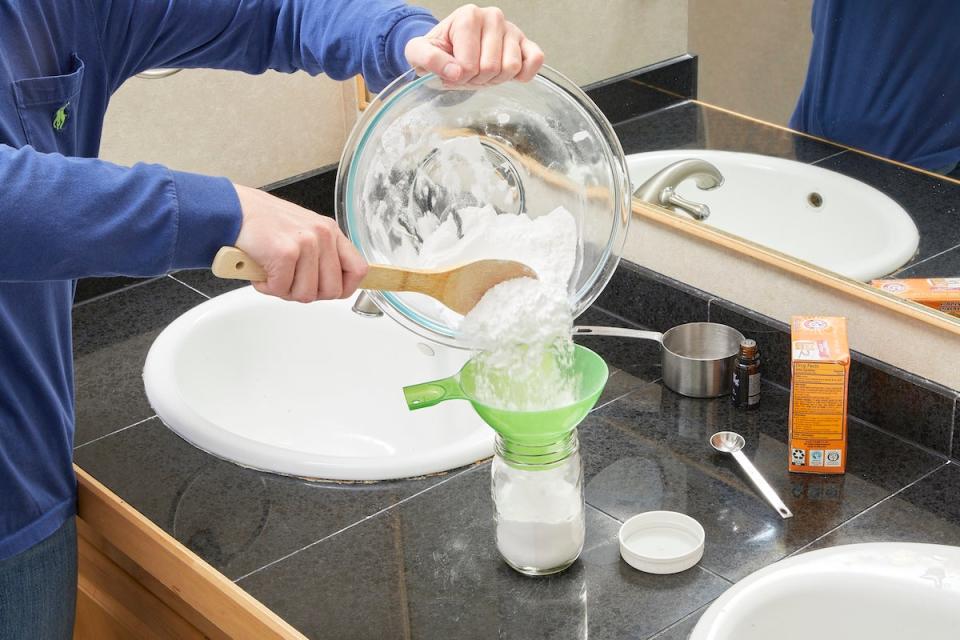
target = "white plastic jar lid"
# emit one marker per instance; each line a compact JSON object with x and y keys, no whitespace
{"x":661,"y":542}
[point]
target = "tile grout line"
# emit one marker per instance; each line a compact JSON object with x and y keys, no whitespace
{"x":633,"y":325}
{"x":596,"y":508}
{"x":832,"y":155}
{"x":953,"y":427}
{"x":624,"y":395}
{"x":903,"y":439}
{"x":681,"y":620}
{"x":619,"y":521}
{"x":103,"y":296}
{"x":358,"y":522}
{"x":896,"y":436}
{"x":715,"y":574}
{"x":710,"y":304}
{"x":194,"y":289}
{"x":911,"y":265}
{"x":113,"y":433}
{"x":868,"y":509}
{"x":683,"y":102}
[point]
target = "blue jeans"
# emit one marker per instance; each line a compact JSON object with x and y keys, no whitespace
{"x":38,"y":589}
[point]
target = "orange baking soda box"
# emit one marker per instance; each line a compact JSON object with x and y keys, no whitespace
{"x":942,"y":294}
{"x":820,"y":366}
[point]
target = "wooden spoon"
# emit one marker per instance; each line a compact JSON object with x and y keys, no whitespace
{"x":459,"y":288}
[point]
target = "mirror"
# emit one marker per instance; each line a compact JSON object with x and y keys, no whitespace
{"x":859,"y":178}
{"x":803,"y":202}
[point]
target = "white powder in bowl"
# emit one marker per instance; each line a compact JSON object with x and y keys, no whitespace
{"x":547,"y":244}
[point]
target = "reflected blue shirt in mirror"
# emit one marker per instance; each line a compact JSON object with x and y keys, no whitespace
{"x":883,"y":78}
{"x":65,"y":214}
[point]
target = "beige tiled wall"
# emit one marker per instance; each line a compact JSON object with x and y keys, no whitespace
{"x":252,"y":129}
{"x":261,"y":129}
{"x":592,"y":40}
{"x":752,"y":54}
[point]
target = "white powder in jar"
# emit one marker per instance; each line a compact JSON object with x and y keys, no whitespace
{"x":540,"y":519}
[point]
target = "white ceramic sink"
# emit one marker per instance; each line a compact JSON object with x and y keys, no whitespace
{"x":856,"y":230}
{"x":877,"y":591}
{"x":308,"y":390}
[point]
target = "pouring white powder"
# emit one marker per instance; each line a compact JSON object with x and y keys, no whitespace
{"x":521,"y":327}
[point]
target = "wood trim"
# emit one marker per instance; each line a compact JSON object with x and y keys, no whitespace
{"x":195,"y":591}
{"x":796,"y":267}
{"x":112,"y":604}
{"x":363,"y":94}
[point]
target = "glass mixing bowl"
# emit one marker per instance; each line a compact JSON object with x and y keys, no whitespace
{"x":421,"y":152}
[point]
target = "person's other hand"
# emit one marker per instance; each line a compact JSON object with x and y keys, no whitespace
{"x":474,"y":46}
{"x":305,"y":255}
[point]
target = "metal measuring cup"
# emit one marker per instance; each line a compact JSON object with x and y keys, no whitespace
{"x":697,"y":358}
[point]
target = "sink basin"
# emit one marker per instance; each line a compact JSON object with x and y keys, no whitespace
{"x":819,"y":216}
{"x":308,"y":390}
{"x":880,"y":591}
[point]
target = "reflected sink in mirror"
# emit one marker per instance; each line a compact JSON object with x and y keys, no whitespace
{"x":309,"y":390}
{"x":818,"y":216}
{"x":881,"y":591}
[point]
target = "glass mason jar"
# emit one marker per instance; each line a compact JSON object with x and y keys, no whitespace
{"x":538,"y":504}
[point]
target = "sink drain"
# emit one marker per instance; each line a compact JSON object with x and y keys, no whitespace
{"x":815,"y":200}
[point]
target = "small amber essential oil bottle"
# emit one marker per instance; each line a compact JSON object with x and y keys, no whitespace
{"x":746,"y":376}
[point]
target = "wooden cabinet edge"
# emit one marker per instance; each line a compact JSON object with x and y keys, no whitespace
{"x":127,"y":562}
{"x":363,"y":94}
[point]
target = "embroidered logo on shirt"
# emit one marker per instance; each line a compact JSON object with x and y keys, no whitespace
{"x":60,"y":117}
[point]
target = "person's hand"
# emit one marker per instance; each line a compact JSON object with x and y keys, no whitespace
{"x":305,"y":255}
{"x":474,"y":46}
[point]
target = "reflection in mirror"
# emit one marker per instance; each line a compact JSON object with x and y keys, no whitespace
{"x":867,"y":185}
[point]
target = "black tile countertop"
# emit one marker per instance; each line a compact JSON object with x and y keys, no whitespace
{"x":416,"y":558}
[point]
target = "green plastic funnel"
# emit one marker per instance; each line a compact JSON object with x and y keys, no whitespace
{"x":526,"y":428}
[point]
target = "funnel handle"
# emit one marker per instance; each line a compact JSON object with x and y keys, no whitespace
{"x":427,"y":394}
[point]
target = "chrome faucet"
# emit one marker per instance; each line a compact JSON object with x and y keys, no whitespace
{"x":661,"y":188}
{"x":365,"y":306}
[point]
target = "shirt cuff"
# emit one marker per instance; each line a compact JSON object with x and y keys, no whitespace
{"x":417,"y":22}
{"x":208,"y":217}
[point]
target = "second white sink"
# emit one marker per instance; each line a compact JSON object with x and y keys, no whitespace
{"x":876,"y":591}
{"x":810,"y":213}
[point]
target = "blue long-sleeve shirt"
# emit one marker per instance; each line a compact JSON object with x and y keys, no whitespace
{"x":65,"y":215}
{"x":882,"y":77}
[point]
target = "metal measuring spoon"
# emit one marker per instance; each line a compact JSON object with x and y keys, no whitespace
{"x":732,"y":443}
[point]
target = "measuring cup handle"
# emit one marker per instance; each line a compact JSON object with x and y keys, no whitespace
{"x":617,"y":332}
{"x":427,"y":394}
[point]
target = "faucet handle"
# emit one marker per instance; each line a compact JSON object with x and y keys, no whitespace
{"x":695,"y":209}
